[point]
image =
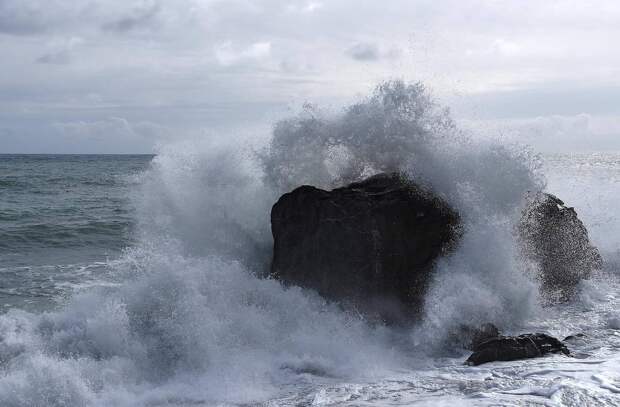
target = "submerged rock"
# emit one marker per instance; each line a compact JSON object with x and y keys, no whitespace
{"x":552,"y":234}
{"x":371,"y":244}
{"x":506,"y":348}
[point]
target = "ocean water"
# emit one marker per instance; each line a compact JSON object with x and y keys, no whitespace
{"x":139,"y":280}
{"x":62,"y":218}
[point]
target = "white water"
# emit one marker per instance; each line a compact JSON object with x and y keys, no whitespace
{"x":194,"y":324}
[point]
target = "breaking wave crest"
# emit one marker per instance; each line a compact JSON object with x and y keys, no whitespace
{"x":196,"y":322}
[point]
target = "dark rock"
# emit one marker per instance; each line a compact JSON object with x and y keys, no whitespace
{"x":482,"y":334}
{"x":575,"y":337}
{"x":469,"y":337}
{"x":505,"y":348}
{"x":552,"y":234}
{"x":371,"y":244}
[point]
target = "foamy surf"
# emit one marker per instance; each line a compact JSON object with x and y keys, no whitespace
{"x":196,"y":323}
{"x":592,"y":377}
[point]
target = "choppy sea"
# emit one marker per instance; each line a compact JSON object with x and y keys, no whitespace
{"x":62,"y":219}
{"x":139,"y":280}
{"x":77,"y":328}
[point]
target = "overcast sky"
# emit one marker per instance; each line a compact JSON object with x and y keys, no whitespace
{"x":121,"y":76}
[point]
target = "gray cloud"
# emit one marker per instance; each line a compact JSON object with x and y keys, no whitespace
{"x":140,"y":17}
{"x":60,"y":51}
{"x":195,"y":64}
{"x":17,"y":27}
{"x":56,"y":58}
{"x":40,"y":17}
{"x":22,"y":18}
{"x":364,"y":52}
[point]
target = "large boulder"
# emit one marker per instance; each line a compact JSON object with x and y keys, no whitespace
{"x":551,"y":234}
{"x":371,"y":244}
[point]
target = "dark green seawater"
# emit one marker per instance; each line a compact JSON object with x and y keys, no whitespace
{"x":62,"y":217}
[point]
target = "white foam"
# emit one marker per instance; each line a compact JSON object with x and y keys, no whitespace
{"x":195,"y":324}
{"x":613,"y":320}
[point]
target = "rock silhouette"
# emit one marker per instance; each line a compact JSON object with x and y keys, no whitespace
{"x":506,"y":348}
{"x":552,"y":234}
{"x":371,"y":244}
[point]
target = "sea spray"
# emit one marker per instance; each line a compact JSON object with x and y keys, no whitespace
{"x":217,"y":201}
{"x":196,"y":322}
{"x":399,"y":128}
{"x":204,"y":328}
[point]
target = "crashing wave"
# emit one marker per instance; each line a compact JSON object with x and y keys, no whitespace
{"x":195,"y":318}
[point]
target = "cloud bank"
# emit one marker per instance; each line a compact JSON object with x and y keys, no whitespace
{"x":200,"y":65}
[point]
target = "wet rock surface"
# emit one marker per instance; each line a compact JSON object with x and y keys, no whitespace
{"x":371,"y":244}
{"x":472,"y":337}
{"x":506,"y":348}
{"x":553,"y":235}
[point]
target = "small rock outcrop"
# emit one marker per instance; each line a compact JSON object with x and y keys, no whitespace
{"x":506,"y":348}
{"x":371,"y":244}
{"x":552,"y":234}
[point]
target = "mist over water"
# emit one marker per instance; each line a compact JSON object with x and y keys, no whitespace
{"x":195,"y":321}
